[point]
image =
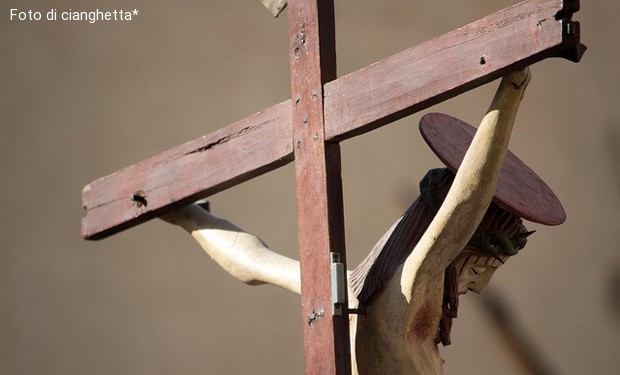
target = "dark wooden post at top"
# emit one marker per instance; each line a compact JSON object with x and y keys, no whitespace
{"x":323,"y":111}
{"x":319,"y":186}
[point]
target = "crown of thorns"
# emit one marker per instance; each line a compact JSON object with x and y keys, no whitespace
{"x":501,"y":233}
{"x":520,"y":192}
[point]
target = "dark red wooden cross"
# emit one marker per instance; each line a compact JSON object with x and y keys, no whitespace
{"x":323,"y":111}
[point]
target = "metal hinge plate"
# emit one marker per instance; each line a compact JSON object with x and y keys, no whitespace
{"x":338,"y":283}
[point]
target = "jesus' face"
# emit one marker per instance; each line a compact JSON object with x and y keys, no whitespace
{"x":474,"y":270}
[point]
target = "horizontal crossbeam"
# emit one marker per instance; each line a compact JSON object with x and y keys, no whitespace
{"x":449,"y":65}
{"x":390,"y":89}
{"x":179,"y":176}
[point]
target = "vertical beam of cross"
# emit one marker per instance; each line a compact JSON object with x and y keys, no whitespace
{"x":319,"y":185}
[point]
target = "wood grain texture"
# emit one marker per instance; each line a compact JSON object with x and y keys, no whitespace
{"x":320,"y":216}
{"x":448,"y":65}
{"x":202,"y":167}
{"x":357,"y":103}
{"x":519,"y":189}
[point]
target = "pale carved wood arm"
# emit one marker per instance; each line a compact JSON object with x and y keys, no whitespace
{"x":468,"y":199}
{"x":243,"y":255}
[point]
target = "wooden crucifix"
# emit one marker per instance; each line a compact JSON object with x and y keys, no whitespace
{"x":323,"y":111}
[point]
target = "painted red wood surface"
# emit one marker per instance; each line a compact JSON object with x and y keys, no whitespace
{"x":359,"y":102}
{"x":245,"y":149}
{"x":320,"y":214}
{"x":448,"y":65}
{"x":519,"y":189}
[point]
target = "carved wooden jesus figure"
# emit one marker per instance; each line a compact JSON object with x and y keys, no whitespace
{"x":452,"y":239}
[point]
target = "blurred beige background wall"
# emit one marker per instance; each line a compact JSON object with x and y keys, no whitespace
{"x":81,"y":100}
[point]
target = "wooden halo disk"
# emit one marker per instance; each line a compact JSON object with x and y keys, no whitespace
{"x":519,"y":189}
